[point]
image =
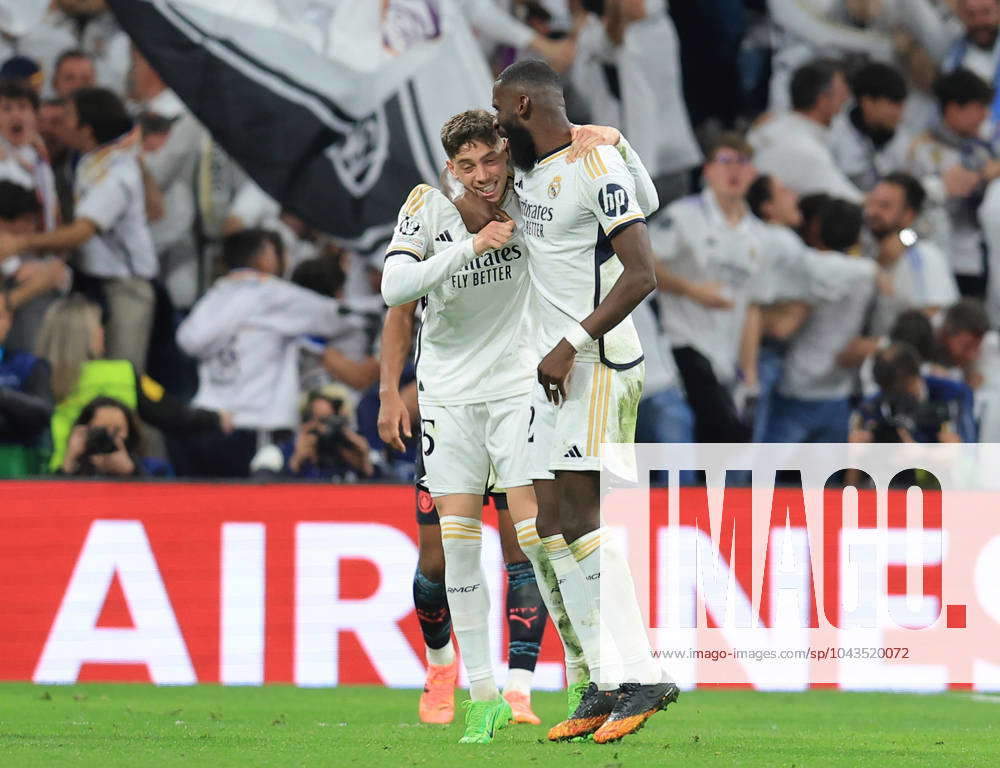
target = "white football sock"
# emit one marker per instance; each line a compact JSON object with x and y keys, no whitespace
{"x":469,"y":601}
{"x":519,"y":680}
{"x":605,"y":669}
{"x":548,"y":587}
{"x":602,"y":561}
{"x":440,"y":657}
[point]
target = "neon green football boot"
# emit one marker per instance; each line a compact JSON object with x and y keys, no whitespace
{"x":484,"y":718}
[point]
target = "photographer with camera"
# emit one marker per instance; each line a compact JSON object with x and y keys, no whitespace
{"x":104,"y":442}
{"x":910,"y":407}
{"x":325,"y":446}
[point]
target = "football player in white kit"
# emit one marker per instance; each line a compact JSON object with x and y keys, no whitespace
{"x":475,"y":371}
{"x":591,"y":265}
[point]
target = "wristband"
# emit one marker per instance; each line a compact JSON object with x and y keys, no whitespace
{"x":578,"y":337}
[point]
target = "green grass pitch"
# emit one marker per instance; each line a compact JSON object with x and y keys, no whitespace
{"x":139,"y":725}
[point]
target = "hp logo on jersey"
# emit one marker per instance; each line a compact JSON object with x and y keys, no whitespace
{"x":613,"y":200}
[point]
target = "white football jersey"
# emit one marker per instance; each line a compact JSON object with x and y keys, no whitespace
{"x":694,"y":239}
{"x":473,"y":344}
{"x":569,"y":213}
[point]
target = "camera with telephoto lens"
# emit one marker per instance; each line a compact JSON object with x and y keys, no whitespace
{"x":922,"y":419}
{"x":329,"y":438}
{"x":99,"y":441}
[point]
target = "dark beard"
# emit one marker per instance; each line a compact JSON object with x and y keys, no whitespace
{"x":878,"y":232}
{"x":984,"y":37}
{"x":879,"y":136}
{"x":521,"y":146}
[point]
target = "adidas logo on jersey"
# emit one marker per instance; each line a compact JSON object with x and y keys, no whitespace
{"x":573,"y":453}
{"x":444,"y":237}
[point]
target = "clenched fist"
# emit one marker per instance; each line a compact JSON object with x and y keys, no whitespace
{"x":493,"y":235}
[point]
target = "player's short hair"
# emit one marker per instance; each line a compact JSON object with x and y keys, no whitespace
{"x":241,"y":248}
{"x":879,"y":81}
{"x":530,"y":73}
{"x":962,"y":87}
{"x":323,"y":274}
{"x":728,"y":140}
{"x":18,"y":90}
{"x":812,"y":80}
{"x":840,"y":225}
{"x":759,"y":194}
{"x":17,"y":201}
{"x":894,"y":365}
{"x":466,"y":127}
{"x":914,"y":328}
{"x":103,"y":111}
{"x":913,"y":190}
{"x":966,"y":316}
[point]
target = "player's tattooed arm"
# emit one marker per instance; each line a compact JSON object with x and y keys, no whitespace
{"x":393,"y":415}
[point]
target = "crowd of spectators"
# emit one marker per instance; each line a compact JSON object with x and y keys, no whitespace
{"x":828,"y":245}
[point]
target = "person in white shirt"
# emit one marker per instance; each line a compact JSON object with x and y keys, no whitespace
{"x":976,"y":49}
{"x":406,"y":22}
{"x":628,"y":68}
{"x":475,"y":368}
{"x":811,"y":402}
{"x":253,"y":207}
{"x":806,"y":29}
{"x":711,"y":255}
{"x":245,"y":335}
{"x":795,"y":146}
{"x":591,"y":265}
{"x":786,"y":289}
{"x":347,"y":357}
{"x":110,"y":229}
{"x":22,"y":153}
{"x":95,"y":30}
{"x":954,"y":166}
{"x":172,"y":139}
{"x":868,"y":140}
{"x":920,"y":276}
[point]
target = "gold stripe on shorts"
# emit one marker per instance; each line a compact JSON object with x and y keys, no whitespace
{"x":604,"y":407}
{"x":591,"y":415}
